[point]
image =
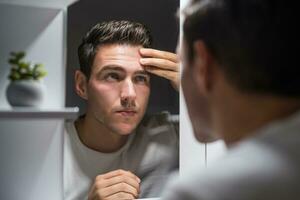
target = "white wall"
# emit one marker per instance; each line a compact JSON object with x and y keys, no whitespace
{"x":31,"y":150}
{"x":39,"y":32}
{"x":58,"y":4}
{"x":31,"y":159}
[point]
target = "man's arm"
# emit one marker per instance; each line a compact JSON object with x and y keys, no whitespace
{"x":115,"y":185}
{"x":161,"y":63}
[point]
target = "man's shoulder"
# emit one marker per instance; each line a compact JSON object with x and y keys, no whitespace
{"x":69,"y":126}
{"x":159,"y":119}
{"x":158,"y":124}
{"x":249,"y":171}
{"x":162,"y":115}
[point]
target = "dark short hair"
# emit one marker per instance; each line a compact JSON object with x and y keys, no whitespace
{"x":111,"y":32}
{"x":253,"y":41}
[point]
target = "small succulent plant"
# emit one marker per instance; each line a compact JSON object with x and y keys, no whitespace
{"x":22,"y":70}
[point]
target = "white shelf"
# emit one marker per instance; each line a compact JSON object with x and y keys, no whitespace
{"x":58,"y":4}
{"x":36,"y":113}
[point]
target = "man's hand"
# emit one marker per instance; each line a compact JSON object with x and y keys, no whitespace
{"x":161,"y":63}
{"x":118,"y":184}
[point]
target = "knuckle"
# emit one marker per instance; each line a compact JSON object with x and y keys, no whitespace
{"x":120,"y":195}
{"x":118,"y":179}
{"x":124,"y":195}
{"x":128,"y":173}
{"x":121,"y":179}
{"x":98,"y":185}
{"x":98,"y":178}
{"x":120,"y":171}
{"x":123,"y":186}
{"x":99,"y":194}
{"x":165,"y":54}
{"x":135,"y":192}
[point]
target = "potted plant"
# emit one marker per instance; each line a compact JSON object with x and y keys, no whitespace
{"x":25,"y":87}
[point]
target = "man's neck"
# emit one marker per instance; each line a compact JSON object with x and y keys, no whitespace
{"x":241,"y":116}
{"x":96,"y":136}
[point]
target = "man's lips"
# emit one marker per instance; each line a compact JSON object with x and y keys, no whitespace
{"x":126,"y":113}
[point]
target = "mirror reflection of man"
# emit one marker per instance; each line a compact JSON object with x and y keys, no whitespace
{"x":241,"y":85}
{"x":110,"y":152}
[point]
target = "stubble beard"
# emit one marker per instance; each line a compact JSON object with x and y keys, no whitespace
{"x":111,"y":128}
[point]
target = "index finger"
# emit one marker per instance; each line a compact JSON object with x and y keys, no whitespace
{"x":148,"y":52}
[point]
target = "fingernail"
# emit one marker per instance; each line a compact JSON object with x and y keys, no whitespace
{"x":142,"y":60}
{"x":138,"y":179}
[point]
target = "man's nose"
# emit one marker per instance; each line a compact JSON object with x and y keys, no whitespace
{"x":128,"y":93}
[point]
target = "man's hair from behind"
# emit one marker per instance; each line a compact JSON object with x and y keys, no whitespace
{"x":253,"y":41}
{"x":111,"y":32}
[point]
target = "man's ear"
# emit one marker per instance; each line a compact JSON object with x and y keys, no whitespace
{"x":202,"y":67}
{"x":81,"y":84}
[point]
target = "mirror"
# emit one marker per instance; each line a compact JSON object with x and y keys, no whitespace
{"x":152,"y":162}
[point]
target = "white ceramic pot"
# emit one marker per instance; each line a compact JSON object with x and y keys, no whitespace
{"x":25,"y":93}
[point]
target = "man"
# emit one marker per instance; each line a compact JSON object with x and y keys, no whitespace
{"x":241,"y":85}
{"x":109,"y":152}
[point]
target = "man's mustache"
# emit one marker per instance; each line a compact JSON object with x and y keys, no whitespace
{"x":128,"y":103}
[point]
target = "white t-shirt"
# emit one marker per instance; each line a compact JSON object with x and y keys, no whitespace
{"x":151,"y":153}
{"x":263,"y":167}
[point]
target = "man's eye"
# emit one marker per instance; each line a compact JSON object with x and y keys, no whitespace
{"x":141,"y":79}
{"x":112,"y":77}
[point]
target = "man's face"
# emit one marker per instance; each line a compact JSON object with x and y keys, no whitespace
{"x":118,"y":88}
{"x":197,"y":102}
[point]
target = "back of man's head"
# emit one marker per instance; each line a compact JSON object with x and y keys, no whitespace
{"x":253,"y":42}
{"x":111,"y":32}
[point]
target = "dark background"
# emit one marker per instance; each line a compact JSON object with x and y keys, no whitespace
{"x":157,"y":15}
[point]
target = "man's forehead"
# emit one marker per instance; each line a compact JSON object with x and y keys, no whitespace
{"x":126,"y":56}
{"x":122,"y":51}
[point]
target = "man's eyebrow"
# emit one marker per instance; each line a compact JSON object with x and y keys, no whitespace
{"x":121,"y":69}
{"x":112,"y":68}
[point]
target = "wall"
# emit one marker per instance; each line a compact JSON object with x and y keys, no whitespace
{"x":39,"y":32}
{"x":31,"y":149}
